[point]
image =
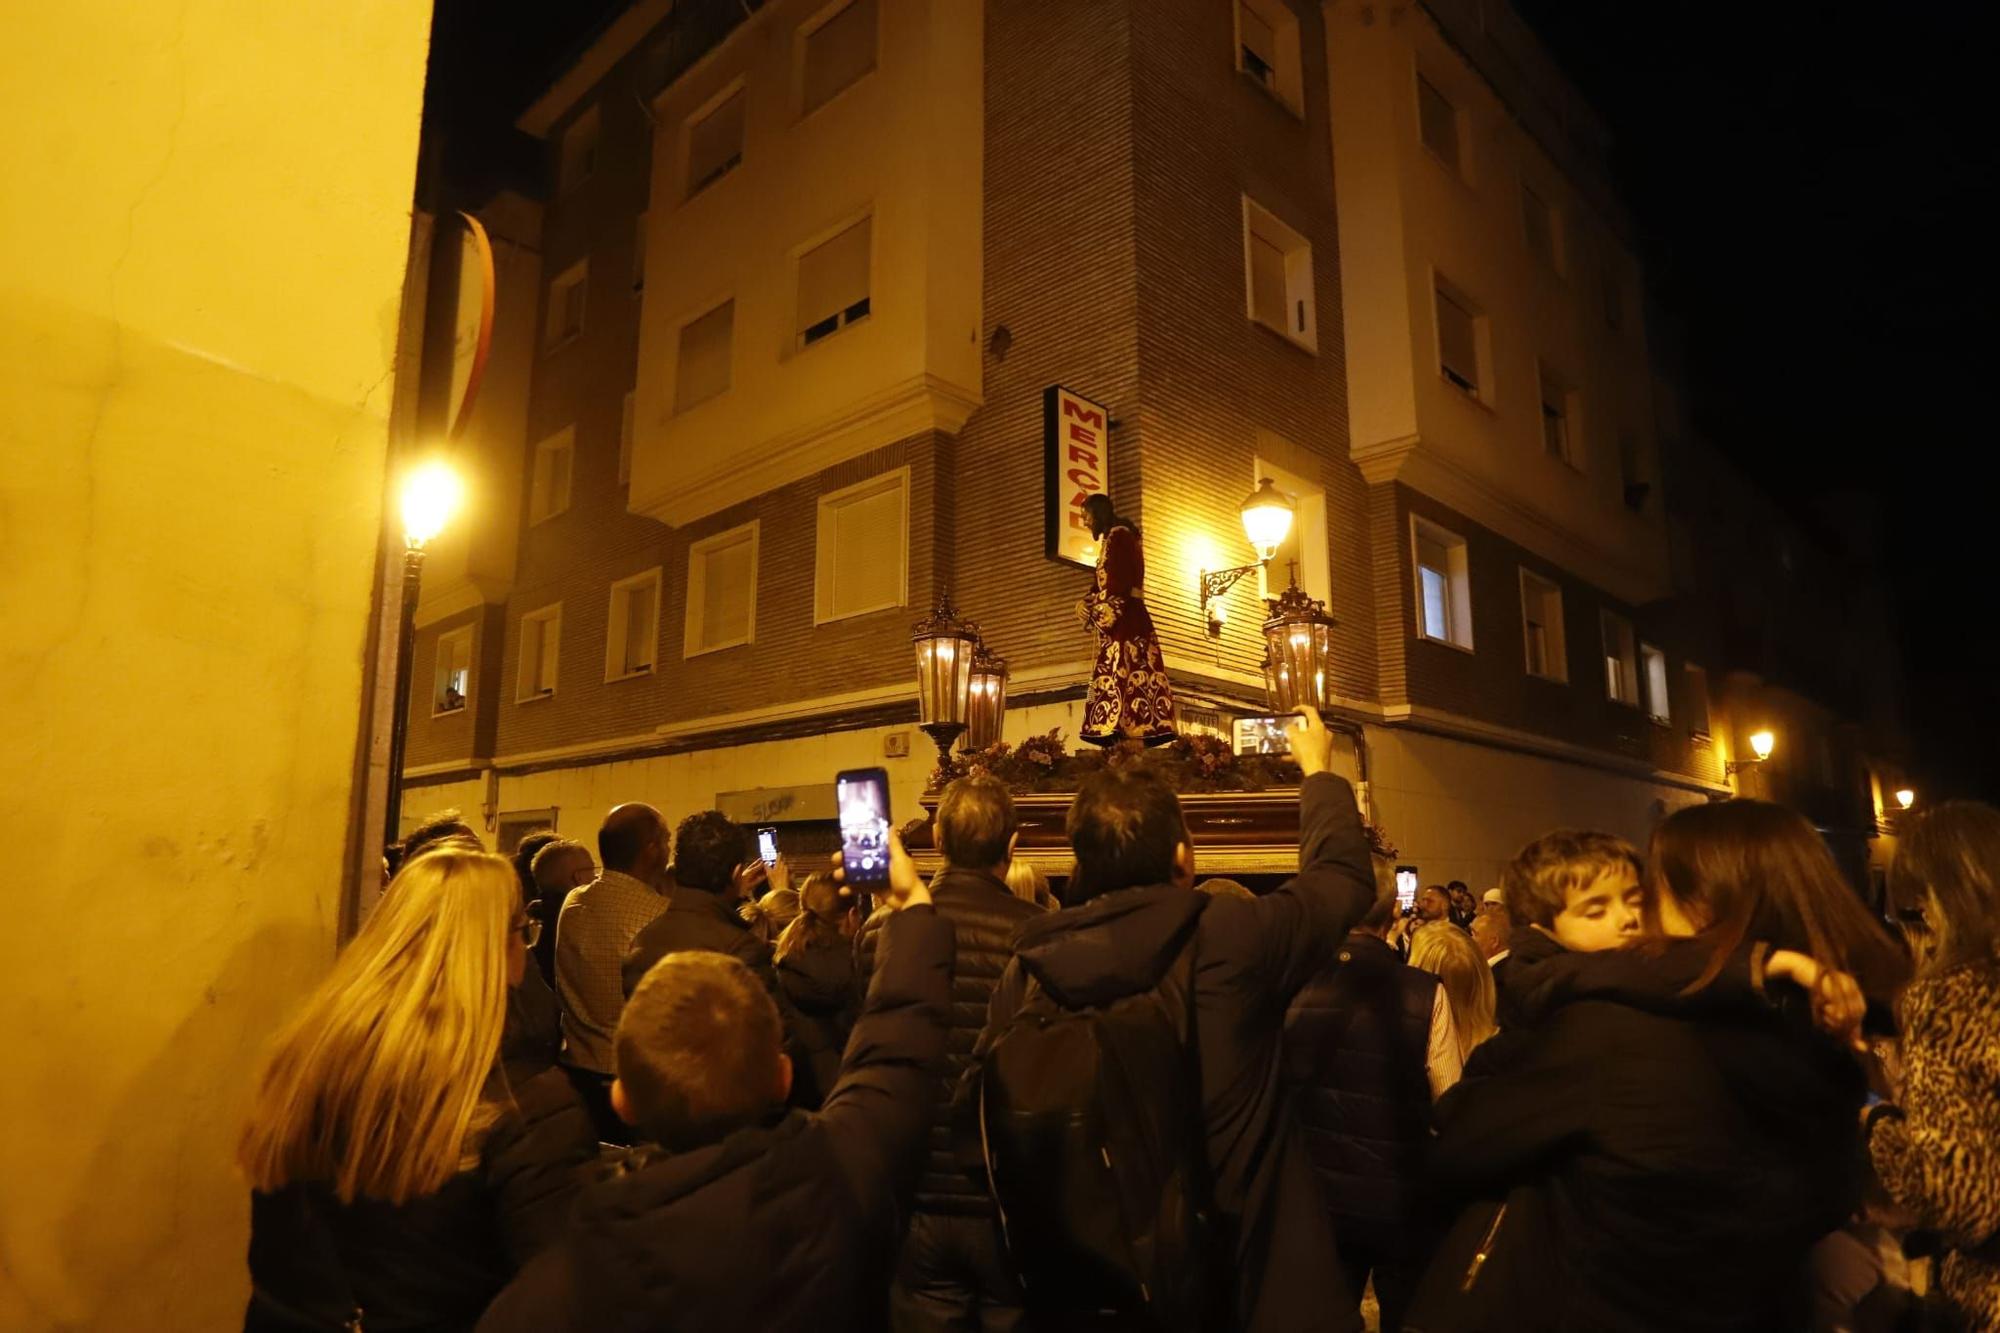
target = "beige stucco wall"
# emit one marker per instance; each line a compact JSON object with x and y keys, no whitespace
{"x":201,"y":254}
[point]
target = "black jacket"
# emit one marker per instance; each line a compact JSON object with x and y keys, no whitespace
{"x":788,"y":1224}
{"x":1669,"y":1170}
{"x":820,"y":984}
{"x":432,"y":1263}
{"x":1357,"y":1047}
{"x":983,"y":915}
{"x":1252,"y":959}
{"x":697,"y":920}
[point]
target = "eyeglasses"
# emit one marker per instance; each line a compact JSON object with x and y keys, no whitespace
{"x":529,"y":929}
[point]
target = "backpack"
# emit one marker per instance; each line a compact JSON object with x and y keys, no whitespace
{"x":1093,"y":1142}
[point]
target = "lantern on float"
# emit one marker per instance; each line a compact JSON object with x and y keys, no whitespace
{"x":944,"y":644}
{"x":986,"y":708}
{"x":1298,"y":641}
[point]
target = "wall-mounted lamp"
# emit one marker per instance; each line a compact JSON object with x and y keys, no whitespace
{"x":1761,"y":745}
{"x":1905,"y":797}
{"x":1267,"y":519}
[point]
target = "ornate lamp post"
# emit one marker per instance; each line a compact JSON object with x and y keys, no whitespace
{"x":1267,"y":518}
{"x":987,"y":709}
{"x":430,"y":495}
{"x":1297,"y":643}
{"x":945,"y":645}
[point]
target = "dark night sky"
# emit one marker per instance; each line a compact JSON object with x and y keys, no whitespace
{"x":1809,"y":184}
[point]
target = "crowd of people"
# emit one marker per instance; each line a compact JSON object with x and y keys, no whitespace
{"x":1702,"y":1087}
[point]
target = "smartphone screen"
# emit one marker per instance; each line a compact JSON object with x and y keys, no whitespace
{"x":767,"y":846}
{"x":863,"y":797}
{"x":1262,"y":735}
{"x":1406,"y":888}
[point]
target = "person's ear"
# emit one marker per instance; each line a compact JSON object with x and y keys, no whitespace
{"x":784,"y":1077}
{"x":621,"y":1102}
{"x":1183,"y":865}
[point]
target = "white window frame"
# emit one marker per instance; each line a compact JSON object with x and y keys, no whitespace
{"x":1660,"y":710}
{"x":1286,"y":86}
{"x":798,"y":255}
{"x":697,"y":556}
{"x":628,"y":428}
{"x":1444,"y":290}
{"x":1458,"y":583}
{"x":540,"y":505}
{"x":1556,"y":645}
{"x":1701,"y":716}
{"x":586,"y":125}
{"x":1301,"y":321}
{"x":1459,"y":137}
{"x":690,"y":186}
{"x":464,"y":634}
{"x":801,"y":45}
{"x":674,"y":403}
{"x":616,"y":628}
{"x":1547,"y":377}
{"x":1628,"y":668}
{"x":550,"y":619}
{"x":825,"y":561}
{"x":577,"y":276}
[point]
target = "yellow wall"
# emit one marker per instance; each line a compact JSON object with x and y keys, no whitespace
{"x":201,"y":252}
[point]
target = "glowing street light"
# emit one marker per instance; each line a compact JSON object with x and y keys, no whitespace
{"x":1267,"y":519}
{"x":1762,"y":742}
{"x":1905,"y":797}
{"x":431,"y":495}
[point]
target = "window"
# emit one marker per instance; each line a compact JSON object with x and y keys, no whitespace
{"x":1697,"y":700}
{"x":1541,"y":227}
{"x":513,"y":825}
{"x":1632,"y":469}
{"x":1614,"y":297}
{"x":833,"y":283}
{"x":1461,"y":333}
{"x":577,"y":154}
{"x":1278,"y":270}
{"x":1653,"y":666}
{"x":1303,"y":554}
{"x":639,"y":254}
{"x":838,"y":50}
{"x":722,"y":591}
{"x":1560,"y":437}
{"x":452,"y":680}
{"x":548,"y":484}
{"x":1621,"y":660}
{"x":1542,"y":627}
{"x":714,"y":141}
{"x":863,"y":548}
{"x":634,"y":627}
{"x":565,"y":310}
{"x":1267,"y":49}
{"x":1444,"y":592}
{"x":541,"y":640}
{"x":1437,"y":120}
{"x":701,"y":367}
{"x":627,"y":425}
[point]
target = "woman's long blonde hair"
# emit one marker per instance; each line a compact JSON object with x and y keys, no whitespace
{"x":1449,"y":954}
{"x":375,"y":1087}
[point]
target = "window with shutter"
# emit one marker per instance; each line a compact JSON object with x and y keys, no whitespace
{"x":862,"y":557}
{"x":838,"y":52}
{"x":549,"y":484}
{"x":715,"y":142}
{"x":541,"y":636}
{"x":452,"y":674}
{"x":1621,"y":660}
{"x":1278,"y":272}
{"x":722,"y":591}
{"x":1458,"y":341}
{"x":833,"y":283}
{"x":1654,"y":663}
{"x":1542,"y":628}
{"x":701,"y":370}
{"x":1444,"y":591}
{"x":633,"y":630}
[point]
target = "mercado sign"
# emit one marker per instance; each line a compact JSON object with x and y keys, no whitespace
{"x":1076,"y":438}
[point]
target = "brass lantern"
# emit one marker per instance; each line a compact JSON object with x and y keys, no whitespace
{"x":1298,"y":641}
{"x":987,"y":710}
{"x":945,"y":645}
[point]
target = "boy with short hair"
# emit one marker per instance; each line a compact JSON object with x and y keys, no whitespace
{"x":739,"y":1213}
{"x":1573,"y":889}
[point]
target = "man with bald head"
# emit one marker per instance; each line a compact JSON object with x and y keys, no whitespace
{"x":593,"y":932}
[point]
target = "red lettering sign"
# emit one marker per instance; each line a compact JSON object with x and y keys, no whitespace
{"x":1083,"y":456}
{"x":1072,"y":408}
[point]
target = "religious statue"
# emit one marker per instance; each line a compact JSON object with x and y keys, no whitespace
{"x":1130,"y":696}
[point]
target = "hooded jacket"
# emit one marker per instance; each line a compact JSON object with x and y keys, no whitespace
{"x":1252,"y":958}
{"x":787,"y":1224}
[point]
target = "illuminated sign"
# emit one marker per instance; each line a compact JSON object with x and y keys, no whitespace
{"x":1076,"y":435}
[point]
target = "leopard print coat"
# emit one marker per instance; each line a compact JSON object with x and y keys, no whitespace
{"x":1941,"y":1158}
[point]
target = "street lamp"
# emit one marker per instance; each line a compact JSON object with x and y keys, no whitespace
{"x":1267,"y":518}
{"x":1762,"y":742}
{"x":431,"y":494}
{"x":986,"y":711}
{"x":1297,"y":642}
{"x":944,"y":645}
{"x":1905,"y":797}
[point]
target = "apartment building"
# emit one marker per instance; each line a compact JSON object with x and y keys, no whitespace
{"x":806,"y":274}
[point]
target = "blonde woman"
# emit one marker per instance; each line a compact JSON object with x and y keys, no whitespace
{"x":1449,"y":954}
{"x":1026,"y":882}
{"x":398,"y":1179}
